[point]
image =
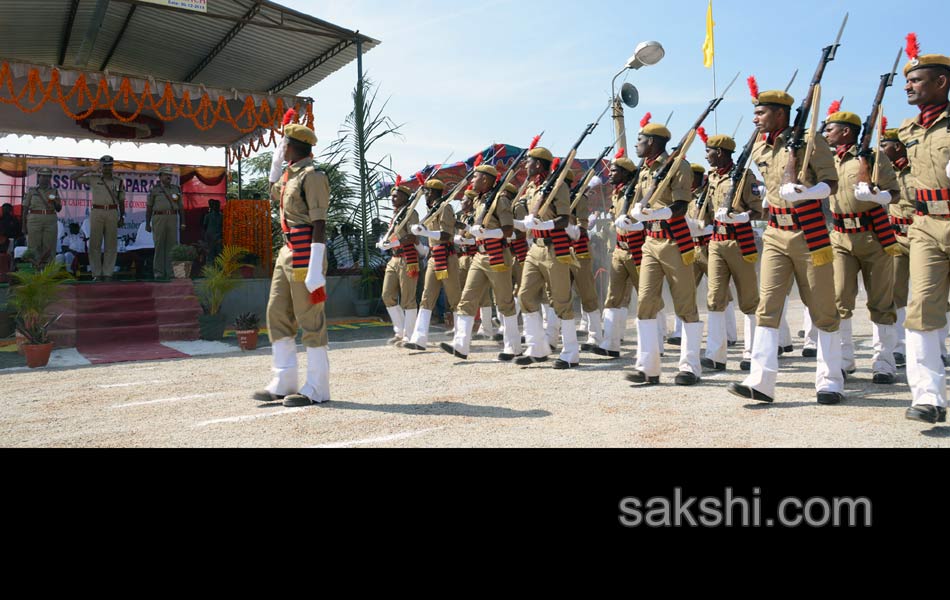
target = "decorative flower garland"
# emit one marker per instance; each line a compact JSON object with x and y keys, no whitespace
{"x":247,"y":224}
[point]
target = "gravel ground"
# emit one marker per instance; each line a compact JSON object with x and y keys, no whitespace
{"x":390,"y":397}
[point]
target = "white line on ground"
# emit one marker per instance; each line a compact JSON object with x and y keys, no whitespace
{"x":178,"y":399}
{"x":134,"y":383}
{"x":378,"y":440}
{"x":252,"y":417}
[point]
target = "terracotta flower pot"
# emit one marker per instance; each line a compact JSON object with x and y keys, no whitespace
{"x":37,"y":355}
{"x":247,"y":339}
{"x":181,"y":270}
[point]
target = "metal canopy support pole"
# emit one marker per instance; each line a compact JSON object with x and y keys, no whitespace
{"x":92,"y":33}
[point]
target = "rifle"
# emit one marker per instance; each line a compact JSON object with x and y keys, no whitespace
{"x":663,"y":176}
{"x":797,"y":139}
{"x":872,"y":124}
{"x":585,"y":181}
{"x":556,"y":179}
{"x":488,"y":211}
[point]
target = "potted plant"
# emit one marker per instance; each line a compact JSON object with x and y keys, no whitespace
{"x":250,"y":263}
{"x":37,"y":347}
{"x":182,"y":258}
{"x":366,"y":297}
{"x":31,"y":296}
{"x":246,"y":326}
{"x":218,"y":282}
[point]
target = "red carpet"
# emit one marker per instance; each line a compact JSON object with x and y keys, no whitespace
{"x":118,"y":352}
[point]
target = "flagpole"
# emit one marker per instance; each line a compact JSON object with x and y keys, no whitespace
{"x":715,"y":94}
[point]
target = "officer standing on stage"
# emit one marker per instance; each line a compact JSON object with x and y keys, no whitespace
{"x":163,"y":213}
{"x":106,"y":215}
{"x":298,"y":287}
{"x":40,"y":205}
{"x":927,"y":139}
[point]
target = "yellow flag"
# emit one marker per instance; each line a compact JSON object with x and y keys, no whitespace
{"x":709,"y":46}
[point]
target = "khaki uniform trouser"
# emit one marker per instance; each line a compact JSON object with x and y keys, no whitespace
{"x":165,"y":234}
{"x":42,"y":230}
{"x":902,"y":274}
{"x":863,"y":252}
{"x":701,"y":265}
{"x":662,"y":260}
{"x":398,"y":287}
{"x":465,"y":265}
{"x":585,"y":285}
{"x":517,"y":271}
{"x":785,"y":256}
{"x":725,"y":263}
{"x":103,"y":225}
{"x":453,"y":291}
{"x":481,"y":281}
{"x":289,"y":307}
{"x":546,"y":278}
{"x":929,"y":274}
{"x":624,"y":277}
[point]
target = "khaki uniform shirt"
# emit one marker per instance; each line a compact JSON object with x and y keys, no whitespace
{"x":928,"y":151}
{"x":160,"y":200}
{"x":843,"y":201}
{"x":717,"y":197}
{"x":101,"y":195}
{"x":906,"y":207}
{"x":679,"y":190}
{"x":306,"y":194}
{"x":502,"y":216}
{"x":443,"y":220}
{"x":771,"y":161}
{"x":40,"y":199}
{"x":582,"y":211}
{"x":561,"y":205}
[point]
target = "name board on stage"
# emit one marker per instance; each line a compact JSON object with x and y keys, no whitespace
{"x":195,"y":5}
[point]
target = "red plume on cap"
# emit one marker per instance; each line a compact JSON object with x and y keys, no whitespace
{"x":556,"y":164}
{"x":753,"y":87}
{"x":290,"y":115}
{"x":883,"y":123}
{"x":913,"y":47}
{"x":534,"y":142}
{"x":835,"y":107}
{"x":621,"y":153}
{"x":701,"y":132}
{"x":398,"y":180}
{"x":478,"y":160}
{"x":421,"y":178}
{"x":645,"y":120}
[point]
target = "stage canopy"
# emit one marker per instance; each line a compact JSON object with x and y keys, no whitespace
{"x":217,"y":73}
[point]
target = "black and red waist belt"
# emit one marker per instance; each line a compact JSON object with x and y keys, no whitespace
{"x":440,"y":256}
{"x":495,"y":251}
{"x":933,"y":203}
{"x":702,"y":242}
{"x":299,"y":240}
{"x":42,"y":212}
{"x":901,"y":226}
{"x":557,"y":239}
{"x":738,"y":232}
{"x":520,"y":248}
{"x":632,"y":242}
{"x":582,"y":245}
{"x":874,"y":220}
{"x":675,"y":229}
{"x":808,"y":218}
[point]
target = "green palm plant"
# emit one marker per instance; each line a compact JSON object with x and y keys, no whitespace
{"x":219,"y":278}
{"x":32,"y":295}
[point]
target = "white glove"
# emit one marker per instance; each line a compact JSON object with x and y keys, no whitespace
{"x":862,"y":191}
{"x":533,"y":223}
{"x":462,"y":241}
{"x":418,"y":230}
{"x":315,"y":277}
{"x":707,"y":231}
{"x":573,"y":232}
{"x":490,"y":234}
{"x":659,"y":214}
{"x":722,"y":215}
{"x":625,"y":225}
{"x":694,"y":229}
{"x":793,"y":193}
{"x":948,"y":169}
{"x":740,"y":218}
{"x":383,"y":245}
{"x":519,"y":225}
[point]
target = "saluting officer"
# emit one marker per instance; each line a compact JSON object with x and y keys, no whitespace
{"x":106,"y":215}
{"x":298,"y":287}
{"x":163,"y":213}
{"x":927,"y":139}
{"x":40,"y":205}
